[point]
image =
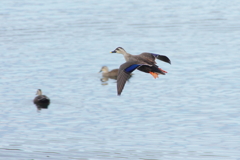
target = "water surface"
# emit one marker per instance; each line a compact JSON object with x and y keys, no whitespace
{"x":59,"y":47}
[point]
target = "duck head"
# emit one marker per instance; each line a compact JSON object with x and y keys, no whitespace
{"x":119,"y":50}
{"x":104,"y":69}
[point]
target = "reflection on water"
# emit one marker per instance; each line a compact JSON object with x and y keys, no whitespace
{"x":106,"y":74}
{"x":42,"y":105}
{"x":192,"y":113}
{"x":105,"y":78}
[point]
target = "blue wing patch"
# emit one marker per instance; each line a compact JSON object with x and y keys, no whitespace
{"x":131,"y":68}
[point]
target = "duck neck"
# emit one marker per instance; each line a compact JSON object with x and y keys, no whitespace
{"x":39,"y":92}
{"x":126,"y":55}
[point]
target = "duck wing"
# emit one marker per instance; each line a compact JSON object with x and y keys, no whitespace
{"x":124,"y":74}
{"x":152,"y":56}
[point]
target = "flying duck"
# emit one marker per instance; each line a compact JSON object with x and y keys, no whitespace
{"x":144,"y":62}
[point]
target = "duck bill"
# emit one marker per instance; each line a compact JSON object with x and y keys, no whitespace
{"x":113,"y":51}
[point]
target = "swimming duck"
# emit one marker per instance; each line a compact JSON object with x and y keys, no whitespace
{"x":41,"y":99}
{"x":144,"y":62}
{"x":106,"y":73}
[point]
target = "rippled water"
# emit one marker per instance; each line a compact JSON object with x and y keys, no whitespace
{"x":59,"y":46}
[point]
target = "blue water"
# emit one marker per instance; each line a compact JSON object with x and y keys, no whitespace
{"x":59,"y":46}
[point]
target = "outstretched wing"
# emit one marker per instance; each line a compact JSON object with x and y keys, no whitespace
{"x":162,"y":58}
{"x":152,"y":56}
{"x":124,"y":74}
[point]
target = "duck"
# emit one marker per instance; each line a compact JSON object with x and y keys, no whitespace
{"x":144,"y":62}
{"x":110,"y":74}
{"x":41,"y":99}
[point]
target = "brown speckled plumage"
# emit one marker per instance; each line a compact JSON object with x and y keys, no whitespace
{"x":144,"y":62}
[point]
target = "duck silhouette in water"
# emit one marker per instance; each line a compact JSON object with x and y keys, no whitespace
{"x":41,"y":101}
